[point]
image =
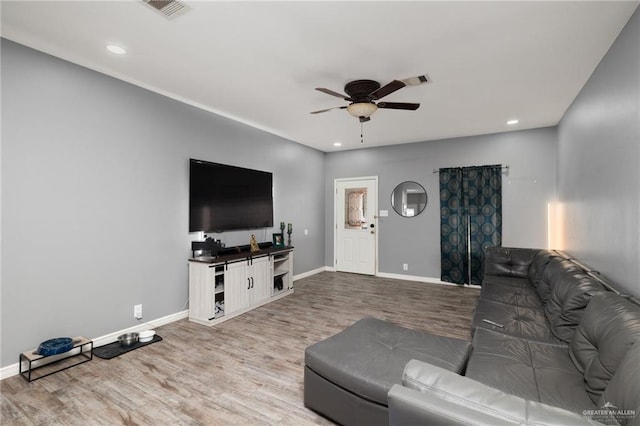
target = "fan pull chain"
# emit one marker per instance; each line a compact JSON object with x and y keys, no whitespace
{"x":361,"y":137}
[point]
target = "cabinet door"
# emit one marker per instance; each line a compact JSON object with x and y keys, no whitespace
{"x":261,"y":275}
{"x":236,"y":287}
{"x":201,"y":284}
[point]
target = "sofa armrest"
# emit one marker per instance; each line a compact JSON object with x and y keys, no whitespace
{"x":411,"y":407}
{"x":432,"y":395}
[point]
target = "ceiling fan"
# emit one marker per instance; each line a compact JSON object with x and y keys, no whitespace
{"x":363,"y":95}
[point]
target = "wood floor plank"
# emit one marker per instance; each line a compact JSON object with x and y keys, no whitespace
{"x":245,"y":371}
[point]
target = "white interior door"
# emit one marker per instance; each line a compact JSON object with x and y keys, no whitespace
{"x":356,"y":237}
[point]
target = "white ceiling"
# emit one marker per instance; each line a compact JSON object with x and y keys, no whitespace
{"x":259,"y":62}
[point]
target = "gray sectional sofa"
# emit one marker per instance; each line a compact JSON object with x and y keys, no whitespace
{"x":552,"y":345}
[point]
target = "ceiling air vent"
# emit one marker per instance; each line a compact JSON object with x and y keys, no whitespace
{"x":168,"y":8}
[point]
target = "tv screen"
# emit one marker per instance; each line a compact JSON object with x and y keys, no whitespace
{"x":223,"y":198}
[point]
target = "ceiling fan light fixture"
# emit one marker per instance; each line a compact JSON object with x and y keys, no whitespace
{"x":362,"y":109}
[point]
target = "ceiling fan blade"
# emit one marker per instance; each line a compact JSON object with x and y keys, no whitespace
{"x":398,"y":105}
{"x":414,"y":81}
{"x":387,"y":89}
{"x":332,"y":93}
{"x":328,"y":109}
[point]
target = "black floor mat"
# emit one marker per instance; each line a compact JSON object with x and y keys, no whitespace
{"x":114,"y":349}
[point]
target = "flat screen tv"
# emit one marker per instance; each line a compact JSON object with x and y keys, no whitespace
{"x":223,"y":197}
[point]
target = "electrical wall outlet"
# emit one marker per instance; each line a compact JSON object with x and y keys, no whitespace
{"x":405,"y":266}
{"x":137,"y":311}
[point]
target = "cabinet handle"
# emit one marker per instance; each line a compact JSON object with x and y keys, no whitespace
{"x":248,"y":283}
{"x":251,"y":282}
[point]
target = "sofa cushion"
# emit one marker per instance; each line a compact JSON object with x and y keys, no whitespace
{"x":518,"y":321}
{"x":510,"y":282}
{"x":555,"y":265}
{"x":538,"y":265}
{"x":509,"y":262}
{"x":623,"y":390}
{"x":536,"y":371}
{"x":609,"y":327}
{"x":570,"y":294}
{"x":520,"y":296}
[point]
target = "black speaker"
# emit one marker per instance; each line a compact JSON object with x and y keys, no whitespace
{"x":278,"y":283}
{"x":209,"y":247}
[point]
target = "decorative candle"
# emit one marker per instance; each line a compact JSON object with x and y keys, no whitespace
{"x":289,"y":228}
{"x":282,"y":225}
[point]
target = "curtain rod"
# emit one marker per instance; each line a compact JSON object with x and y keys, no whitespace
{"x":502,"y":166}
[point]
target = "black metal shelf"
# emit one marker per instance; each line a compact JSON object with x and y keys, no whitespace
{"x":81,"y":352}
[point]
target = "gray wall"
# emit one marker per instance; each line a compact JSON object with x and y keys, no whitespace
{"x":95,"y":198}
{"x":95,"y":190}
{"x":527,"y":188}
{"x":599,"y":165}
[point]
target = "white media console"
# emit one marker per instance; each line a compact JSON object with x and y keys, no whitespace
{"x":238,"y":283}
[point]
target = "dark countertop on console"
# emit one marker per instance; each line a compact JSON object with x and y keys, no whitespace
{"x":239,"y":256}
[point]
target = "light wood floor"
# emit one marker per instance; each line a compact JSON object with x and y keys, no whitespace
{"x":248,"y":370}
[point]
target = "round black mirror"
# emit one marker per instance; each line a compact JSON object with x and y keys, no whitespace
{"x":409,"y":199}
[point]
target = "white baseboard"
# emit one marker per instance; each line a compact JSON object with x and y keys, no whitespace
{"x":312,"y":272}
{"x":14,"y":369}
{"x":9,"y":371}
{"x":417,"y":278}
{"x":429,"y":280}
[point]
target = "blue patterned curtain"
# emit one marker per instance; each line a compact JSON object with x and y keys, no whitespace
{"x":470,"y":220}
{"x":453,"y":241}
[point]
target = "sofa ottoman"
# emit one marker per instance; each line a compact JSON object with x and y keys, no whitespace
{"x":347,"y":376}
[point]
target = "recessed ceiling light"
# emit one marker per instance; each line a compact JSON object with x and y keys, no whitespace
{"x":512,"y":122}
{"x":116,"y":49}
{"x":337,"y":144}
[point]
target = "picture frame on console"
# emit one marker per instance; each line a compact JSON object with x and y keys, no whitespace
{"x":278,"y":240}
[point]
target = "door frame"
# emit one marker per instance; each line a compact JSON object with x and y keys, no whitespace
{"x":375,"y":218}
